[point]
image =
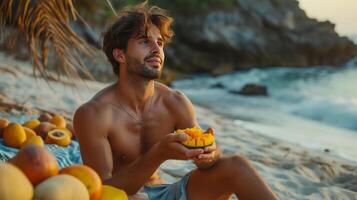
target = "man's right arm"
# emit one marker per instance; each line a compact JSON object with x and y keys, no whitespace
{"x":92,"y":126}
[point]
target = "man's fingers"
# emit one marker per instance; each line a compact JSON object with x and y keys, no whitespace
{"x":191,"y":153}
{"x":198,"y":161}
{"x":210,"y":148}
{"x":205,"y":156}
{"x":174,"y":137}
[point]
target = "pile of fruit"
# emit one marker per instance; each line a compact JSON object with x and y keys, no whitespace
{"x":33,"y":173}
{"x":46,"y":129}
{"x":197,"y":138}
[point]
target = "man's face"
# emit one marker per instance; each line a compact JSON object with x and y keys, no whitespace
{"x":144,"y":55}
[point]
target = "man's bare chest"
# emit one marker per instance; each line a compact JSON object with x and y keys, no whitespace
{"x":130,"y":138}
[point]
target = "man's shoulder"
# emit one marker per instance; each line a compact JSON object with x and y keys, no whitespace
{"x":92,"y":110}
{"x":98,"y":103}
{"x":170,"y":95}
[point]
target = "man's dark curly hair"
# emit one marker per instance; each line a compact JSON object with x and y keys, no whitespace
{"x":132,"y":22}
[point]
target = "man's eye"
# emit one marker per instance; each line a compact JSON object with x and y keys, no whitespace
{"x":145,"y":41}
{"x":160,"y":44}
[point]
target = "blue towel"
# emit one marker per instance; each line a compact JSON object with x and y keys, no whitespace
{"x":65,"y":156}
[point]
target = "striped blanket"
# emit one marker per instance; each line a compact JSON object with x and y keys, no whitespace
{"x":65,"y":155}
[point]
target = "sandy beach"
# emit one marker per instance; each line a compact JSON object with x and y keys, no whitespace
{"x":293,"y":172}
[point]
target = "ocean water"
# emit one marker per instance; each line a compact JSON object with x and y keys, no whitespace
{"x":314,"y":107}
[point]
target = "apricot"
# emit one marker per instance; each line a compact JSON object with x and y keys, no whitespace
{"x":3,"y":123}
{"x":37,"y":140}
{"x":59,"y":137}
{"x":45,"y":117}
{"x":32,"y":123}
{"x":66,"y":131}
{"x":88,"y":177}
{"x":14,"y":135}
{"x":29,"y":132}
{"x":59,"y":121}
{"x":36,"y":162}
{"x":44,"y":128}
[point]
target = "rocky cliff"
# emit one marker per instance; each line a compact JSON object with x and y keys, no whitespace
{"x":254,"y":33}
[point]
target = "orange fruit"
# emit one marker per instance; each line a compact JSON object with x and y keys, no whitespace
{"x":36,"y":162}
{"x":29,"y":132}
{"x":14,"y":135}
{"x":32,"y":123}
{"x":37,"y":140}
{"x":59,"y":121}
{"x":66,"y":130}
{"x":59,"y":137}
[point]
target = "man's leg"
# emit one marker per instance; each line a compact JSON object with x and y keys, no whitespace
{"x":229,"y":175}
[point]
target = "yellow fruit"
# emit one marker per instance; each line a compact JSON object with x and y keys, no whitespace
{"x":13,"y":183}
{"x":197,"y":138}
{"x":29,"y":132}
{"x":112,"y":193}
{"x":61,"y":187}
{"x":59,"y":121}
{"x":66,"y":130}
{"x":32,"y":123}
{"x":14,"y":135}
{"x":3,"y":124}
{"x":37,"y":140}
{"x":59,"y":137}
{"x":89,"y":178}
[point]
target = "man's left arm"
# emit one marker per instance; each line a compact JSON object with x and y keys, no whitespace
{"x":186,"y":118}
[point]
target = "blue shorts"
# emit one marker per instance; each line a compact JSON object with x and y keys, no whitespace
{"x":174,"y":191}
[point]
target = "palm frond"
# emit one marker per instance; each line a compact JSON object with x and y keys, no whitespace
{"x":45,"y":26}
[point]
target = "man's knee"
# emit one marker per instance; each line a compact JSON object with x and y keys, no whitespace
{"x":240,"y":160}
{"x":235,"y":165}
{"x":235,"y":161}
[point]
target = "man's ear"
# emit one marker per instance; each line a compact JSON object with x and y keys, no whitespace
{"x":119,"y":55}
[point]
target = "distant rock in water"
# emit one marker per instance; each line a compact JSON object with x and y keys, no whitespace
{"x":252,"y":90}
{"x":254,"y":33}
{"x":217,"y":85}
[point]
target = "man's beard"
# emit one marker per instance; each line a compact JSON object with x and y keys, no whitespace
{"x":136,"y":66}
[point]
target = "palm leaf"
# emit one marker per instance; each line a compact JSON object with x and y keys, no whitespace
{"x":45,"y":26}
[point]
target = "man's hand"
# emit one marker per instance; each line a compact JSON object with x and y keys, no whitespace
{"x":171,"y":148}
{"x":210,"y":155}
{"x":208,"y":158}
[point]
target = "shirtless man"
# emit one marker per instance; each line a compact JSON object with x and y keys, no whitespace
{"x":127,"y":130}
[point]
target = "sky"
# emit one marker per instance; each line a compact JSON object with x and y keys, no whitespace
{"x":343,"y":13}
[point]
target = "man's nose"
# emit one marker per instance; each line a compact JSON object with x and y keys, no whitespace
{"x":155,"y":48}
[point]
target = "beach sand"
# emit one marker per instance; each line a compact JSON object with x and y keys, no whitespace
{"x":292,"y":171}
